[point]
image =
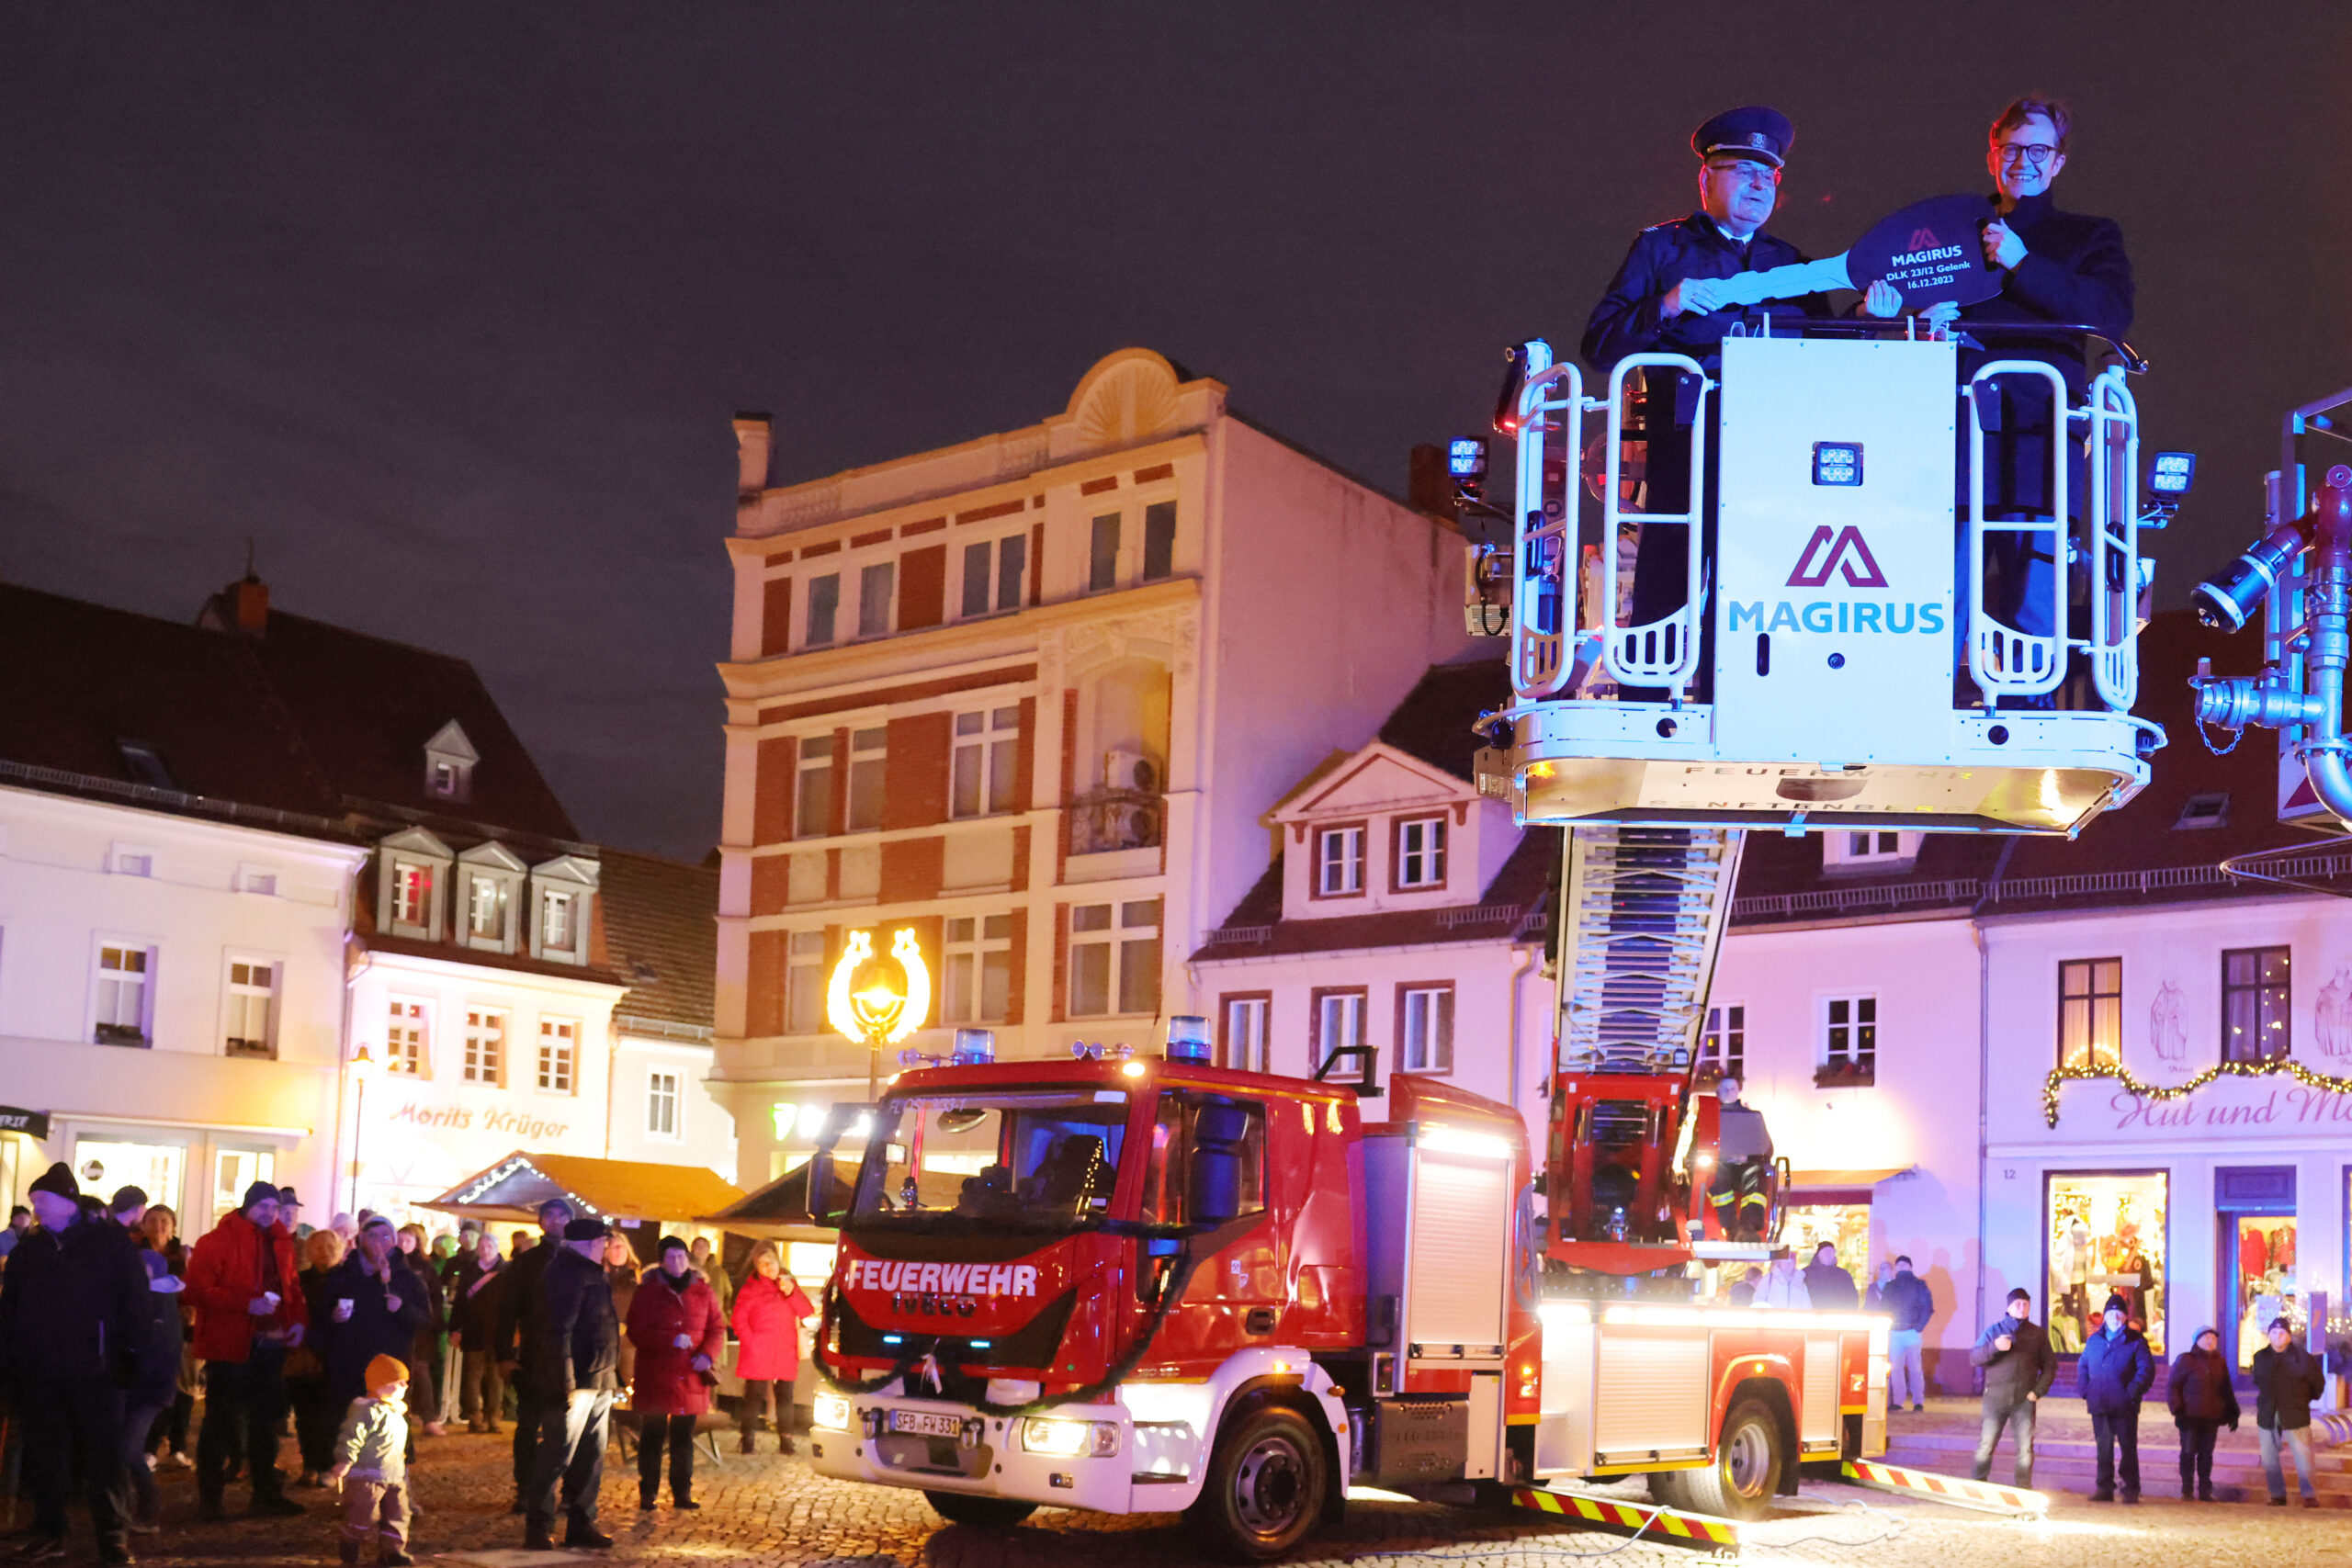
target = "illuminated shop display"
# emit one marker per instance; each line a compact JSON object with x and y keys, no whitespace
{"x":2262,"y":1263}
{"x":2105,"y":1235}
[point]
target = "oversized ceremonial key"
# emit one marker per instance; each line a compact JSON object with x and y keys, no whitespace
{"x":1929,"y":251}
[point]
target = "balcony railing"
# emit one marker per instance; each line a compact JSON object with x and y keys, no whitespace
{"x":1115,"y":819}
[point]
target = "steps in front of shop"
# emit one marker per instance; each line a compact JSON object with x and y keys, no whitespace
{"x":2071,"y":1463}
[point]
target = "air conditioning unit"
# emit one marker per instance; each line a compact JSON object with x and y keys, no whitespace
{"x":1132,"y":770}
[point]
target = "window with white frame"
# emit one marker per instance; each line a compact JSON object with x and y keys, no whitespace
{"x":485,"y":1045}
{"x":1420,"y":852}
{"x":1338,"y":862}
{"x":1723,"y":1044}
{"x":988,"y":758}
{"x":122,"y":996}
{"x":804,"y":982}
{"x":253,"y":1008}
{"x":977,"y":953}
{"x":558,"y":910}
{"x":412,"y":893}
{"x":1243,"y":1046}
{"x":559,"y":1054}
{"x":876,"y":584}
{"x":489,"y":901}
{"x":824,"y":610}
{"x":1115,"y":958}
{"x":1850,"y":1034}
{"x":1425,"y":1029}
{"x":868,"y":765}
{"x":408,"y":1038}
{"x":812,"y":812}
{"x":660,"y":1103}
{"x":1869,"y":849}
{"x":1339,"y":1021}
{"x":450,"y":778}
{"x":993,"y":570}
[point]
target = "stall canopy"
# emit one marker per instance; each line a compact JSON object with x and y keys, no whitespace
{"x":596,"y":1188}
{"x":1838,"y":1185}
{"x":778,"y":1212}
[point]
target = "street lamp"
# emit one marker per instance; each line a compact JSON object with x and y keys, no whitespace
{"x":878,"y":1016}
{"x":362,"y":1065}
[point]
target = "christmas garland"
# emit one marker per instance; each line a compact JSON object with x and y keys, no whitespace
{"x":2266,"y":1069}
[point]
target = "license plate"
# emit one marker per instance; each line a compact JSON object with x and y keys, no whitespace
{"x":927,"y":1424}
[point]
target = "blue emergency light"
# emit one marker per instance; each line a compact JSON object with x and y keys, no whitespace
{"x":1837,"y":463}
{"x":2172,"y":473}
{"x":1465,"y":456}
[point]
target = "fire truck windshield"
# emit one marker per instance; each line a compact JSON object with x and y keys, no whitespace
{"x":1041,"y":1158}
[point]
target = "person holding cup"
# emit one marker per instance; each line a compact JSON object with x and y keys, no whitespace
{"x":374,"y":1306}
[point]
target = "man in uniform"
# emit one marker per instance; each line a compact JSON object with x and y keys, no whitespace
{"x":1743,"y":1159}
{"x":1667,"y":298}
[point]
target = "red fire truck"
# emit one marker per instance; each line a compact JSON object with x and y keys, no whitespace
{"x":1141,"y":1285}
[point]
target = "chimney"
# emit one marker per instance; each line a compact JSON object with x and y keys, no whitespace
{"x":249,"y":599}
{"x":753,"y":432}
{"x":1429,"y":486}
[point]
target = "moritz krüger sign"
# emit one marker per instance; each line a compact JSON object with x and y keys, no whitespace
{"x":2282,"y":1106}
{"x":519,"y":1124}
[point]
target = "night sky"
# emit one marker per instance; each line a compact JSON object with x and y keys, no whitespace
{"x":446,"y":307}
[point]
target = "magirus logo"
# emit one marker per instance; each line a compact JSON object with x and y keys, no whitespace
{"x":1837,"y":551}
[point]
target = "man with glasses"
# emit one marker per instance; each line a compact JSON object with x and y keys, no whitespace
{"x":1667,"y":298}
{"x":2057,"y":269}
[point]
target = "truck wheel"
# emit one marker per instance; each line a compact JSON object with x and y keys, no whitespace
{"x":1265,"y":1487}
{"x":1740,"y":1483}
{"x":982,"y":1513}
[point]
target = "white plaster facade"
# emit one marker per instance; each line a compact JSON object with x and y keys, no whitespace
{"x":175,"y":1108}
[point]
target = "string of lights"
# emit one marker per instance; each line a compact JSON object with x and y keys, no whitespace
{"x":2270,"y":1067}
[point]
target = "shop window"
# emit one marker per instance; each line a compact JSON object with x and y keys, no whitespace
{"x":2255,"y":995}
{"x":804,"y":982}
{"x":1846,"y":1226}
{"x":2262,"y":1261}
{"x":1242,"y":1039}
{"x":1723,"y":1044}
{"x":233,"y":1170}
{"x":2090,"y":1013}
{"x":2105,"y":1234}
{"x":108,"y":1165}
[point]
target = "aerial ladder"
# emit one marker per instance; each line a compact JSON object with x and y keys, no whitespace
{"x":1830,"y":661}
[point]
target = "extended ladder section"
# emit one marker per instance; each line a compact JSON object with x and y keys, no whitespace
{"x":1642,"y":923}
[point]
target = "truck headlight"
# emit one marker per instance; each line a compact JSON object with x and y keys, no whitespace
{"x":831,"y":1412}
{"x":1067,"y":1439}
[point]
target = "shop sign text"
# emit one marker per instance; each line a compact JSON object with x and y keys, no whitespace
{"x":2288,"y":1105}
{"x":468,"y":1118}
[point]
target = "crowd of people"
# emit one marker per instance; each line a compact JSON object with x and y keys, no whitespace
{"x":364,"y":1335}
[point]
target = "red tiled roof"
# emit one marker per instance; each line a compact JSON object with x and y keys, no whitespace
{"x":661,"y":923}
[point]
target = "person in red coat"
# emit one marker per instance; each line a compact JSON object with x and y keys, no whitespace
{"x":769,"y":1310}
{"x":675,"y":1324}
{"x":249,"y":1310}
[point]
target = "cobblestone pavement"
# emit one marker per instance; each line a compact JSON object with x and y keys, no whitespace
{"x":770,"y":1509}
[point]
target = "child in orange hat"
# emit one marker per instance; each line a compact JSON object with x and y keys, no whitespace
{"x":371,"y":1455}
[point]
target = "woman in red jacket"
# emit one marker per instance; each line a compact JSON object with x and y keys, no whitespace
{"x":768,"y":1313}
{"x":679,"y":1336}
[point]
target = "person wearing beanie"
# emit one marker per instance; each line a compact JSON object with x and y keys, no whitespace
{"x":2014,"y":1352}
{"x":2286,"y":1377}
{"x":2114,"y":1374}
{"x":680,"y":1334}
{"x":2202,"y":1403}
{"x":75,"y":1300}
{"x":371,"y":1466}
{"x":249,"y":1314}
{"x":573,"y":1381}
{"x":516,"y":1339}
{"x":374,"y":1306}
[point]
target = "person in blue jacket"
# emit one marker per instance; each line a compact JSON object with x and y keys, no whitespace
{"x":2114,"y":1374}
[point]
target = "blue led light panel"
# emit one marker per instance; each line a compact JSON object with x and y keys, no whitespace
{"x":1466,"y":455}
{"x":2173,"y":473}
{"x":1838,"y":462}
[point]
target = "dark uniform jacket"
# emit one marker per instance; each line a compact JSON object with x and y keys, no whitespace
{"x":518,"y":1301}
{"x":75,"y":1308}
{"x":1631,"y":318}
{"x":579,"y":1333}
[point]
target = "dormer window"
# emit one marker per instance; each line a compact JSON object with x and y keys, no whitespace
{"x":1420,"y":852}
{"x":562,"y":898}
{"x":486,"y":910}
{"x":449,"y":759}
{"x":489,"y":885}
{"x":412,"y":895}
{"x":555,"y":920}
{"x":1338,"y":862}
{"x":1864,"y":851}
{"x":410,"y":877}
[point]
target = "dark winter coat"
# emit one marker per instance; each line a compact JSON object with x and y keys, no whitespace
{"x":75,"y":1306}
{"x":2198,"y":1389}
{"x":1632,"y":319}
{"x":156,"y":1377}
{"x":2026,"y":1368}
{"x":376,"y":1327}
{"x":2115,"y":1372}
{"x":667,"y":1384}
{"x":518,"y":1302}
{"x":2075,"y":271}
{"x":2284,"y":1385}
{"x":1831,"y":1287}
{"x":577,"y":1343}
{"x":1907,"y":1299}
{"x":473,"y":1313}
